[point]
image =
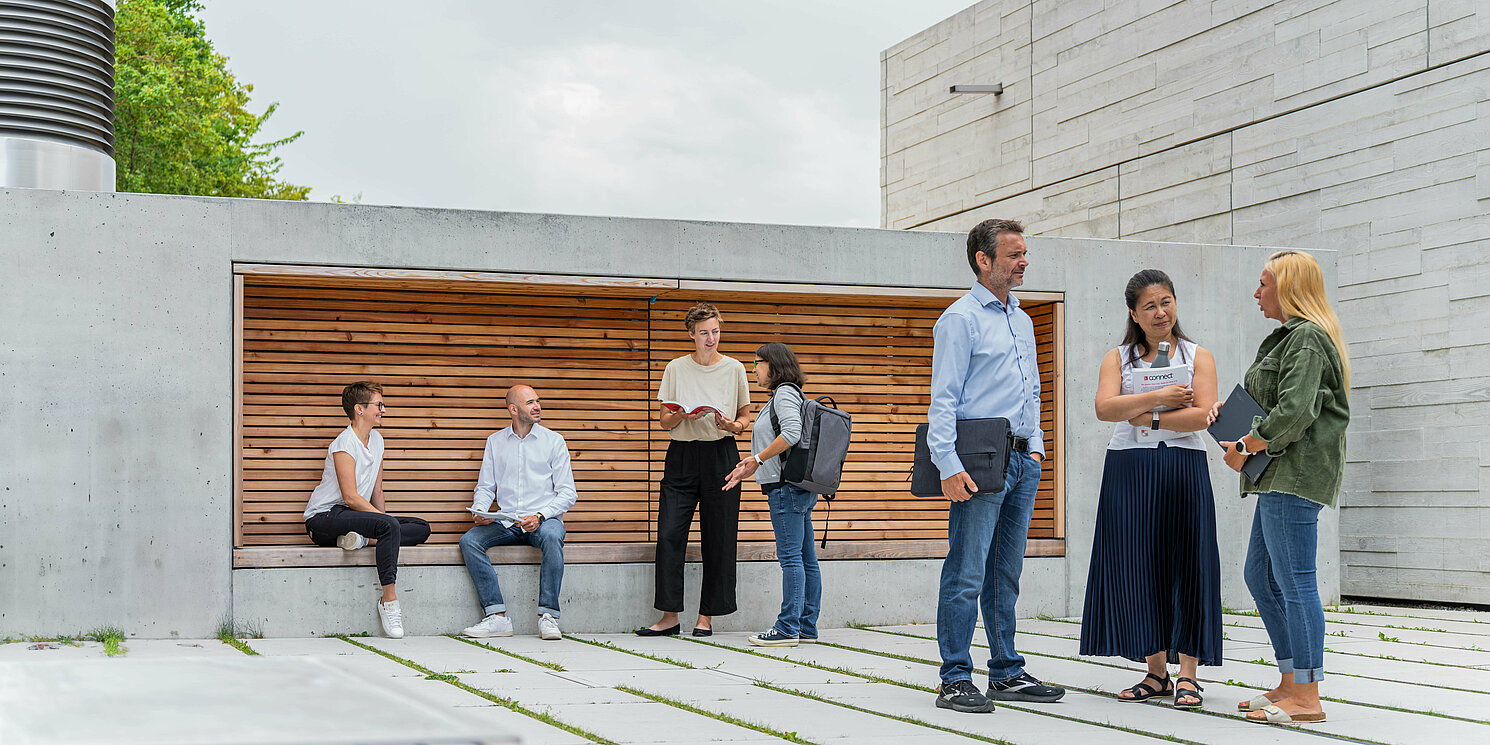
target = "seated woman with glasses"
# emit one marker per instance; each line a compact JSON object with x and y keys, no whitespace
{"x":346,"y":508}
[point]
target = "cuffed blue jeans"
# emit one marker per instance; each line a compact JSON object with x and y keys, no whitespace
{"x":801,"y":584}
{"x":985,"y":555}
{"x":549,"y":538}
{"x":1280,"y":572}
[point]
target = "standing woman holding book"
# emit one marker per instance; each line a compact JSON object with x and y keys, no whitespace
{"x":699,"y":458}
{"x":1153,"y":593}
{"x":1301,"y":378}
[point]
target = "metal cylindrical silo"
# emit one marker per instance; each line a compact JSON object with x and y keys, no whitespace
{"x":57,"y":94}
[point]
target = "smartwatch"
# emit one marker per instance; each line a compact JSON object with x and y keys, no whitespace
{"x":758,"y":460}
{"x":1241,"y":447}
{"x":1155,"y":425}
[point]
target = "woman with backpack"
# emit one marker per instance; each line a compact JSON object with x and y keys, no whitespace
{"x":776,"y":430}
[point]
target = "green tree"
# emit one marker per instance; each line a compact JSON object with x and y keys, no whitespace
{"x":181,"y":120}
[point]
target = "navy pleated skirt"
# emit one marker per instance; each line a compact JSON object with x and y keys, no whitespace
{"x":1155,"y":578}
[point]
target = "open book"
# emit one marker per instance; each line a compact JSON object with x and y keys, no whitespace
{"x":1150,"y":379}
{"x":502,"y":515}
{"x":695,"y":408}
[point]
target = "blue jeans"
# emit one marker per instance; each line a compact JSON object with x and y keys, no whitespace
{"x":985,"y":554}
{"x":549,"y":538}
{"x":1280,"y":573}
{"x":801,"y":584}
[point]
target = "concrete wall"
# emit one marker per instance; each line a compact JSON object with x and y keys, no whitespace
{"x":1362,"y":128}
{"x":116,"y":403}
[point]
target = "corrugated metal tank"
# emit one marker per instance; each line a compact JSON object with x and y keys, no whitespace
{"x":57,"y":94}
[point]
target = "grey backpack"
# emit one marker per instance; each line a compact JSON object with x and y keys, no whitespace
{"x":815,"y":464}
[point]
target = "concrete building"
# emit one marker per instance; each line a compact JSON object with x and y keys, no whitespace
{"x":122,"y":375}
{"x":1358,"y":127}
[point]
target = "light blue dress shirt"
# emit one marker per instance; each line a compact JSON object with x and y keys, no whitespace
{"x":526,"y":475}
{"x":983,"y":365}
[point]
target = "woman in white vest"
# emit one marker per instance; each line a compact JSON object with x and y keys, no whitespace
{"x":1153,"y":592}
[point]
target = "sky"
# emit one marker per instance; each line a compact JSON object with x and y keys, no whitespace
{"x":761,"y":111}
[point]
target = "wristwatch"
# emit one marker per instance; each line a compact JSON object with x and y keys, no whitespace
{"x":1155,"y":425}
{"x":541,"y":518}
{"x":1241,"y":447}
{"x":758,"y":460}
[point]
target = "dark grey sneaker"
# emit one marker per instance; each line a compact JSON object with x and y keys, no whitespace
{"x":1024,"y":687}
{"x":963,"y":696}
{"x":773,"y":638}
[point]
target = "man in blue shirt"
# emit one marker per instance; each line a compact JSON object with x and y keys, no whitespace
{"x":983,"y":366}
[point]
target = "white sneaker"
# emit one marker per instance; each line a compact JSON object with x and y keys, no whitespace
{"x":492,"y":625}
{"x":351,"y":541}
{"x":392,"y":617}
{"x":548,"y":627}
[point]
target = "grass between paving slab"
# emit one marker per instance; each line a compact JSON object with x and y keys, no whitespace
{"x":806,"y":694}
{"x":550,"y":665}
{"x":506,"y":703}
{"x":229,"y":634}
{"x":788,"y":736}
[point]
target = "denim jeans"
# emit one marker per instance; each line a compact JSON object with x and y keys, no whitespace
{"x":549,"y":537}
{"x":985,"y":554}
{"x":1281,"y":575}
{"x":801,"y":584}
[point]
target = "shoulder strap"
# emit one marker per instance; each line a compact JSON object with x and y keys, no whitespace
{"x":771,"y":408}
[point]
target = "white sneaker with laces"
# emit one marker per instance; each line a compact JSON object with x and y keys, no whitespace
{"x":392,"y":617}
{"x":492,"y":625}
{"x":548,"y":627}
{"x":351,"y":541}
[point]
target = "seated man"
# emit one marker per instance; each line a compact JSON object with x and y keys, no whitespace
{"x":346,"y":508}
{"x":525,"y":474}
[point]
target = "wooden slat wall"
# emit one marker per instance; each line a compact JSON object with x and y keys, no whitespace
{"x":446,"y":353}
{"x":445,"y":360}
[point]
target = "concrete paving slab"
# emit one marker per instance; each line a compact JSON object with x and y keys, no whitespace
{"x":436,"y":692}
{"x":369,"y":665}
{"x":1450,"y":614}
{"x":642,"y":721}
{"x":507,"y":684}
{"x":701,"y":656}
{"x":162,"y":648}
{"x":531,"y":731}
{"x":205,"y":700}
{"x":575,"y":656}
{"x":30,"y":651}
{"x":306,"y":646}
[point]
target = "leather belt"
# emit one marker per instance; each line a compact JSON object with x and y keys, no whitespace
{"x":1021,"y":444}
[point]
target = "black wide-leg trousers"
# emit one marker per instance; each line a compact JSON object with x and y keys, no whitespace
{"x":693,"y":478}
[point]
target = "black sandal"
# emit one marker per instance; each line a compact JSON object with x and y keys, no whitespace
{"x":1186,"y":693}
{"x":1143,"y":691}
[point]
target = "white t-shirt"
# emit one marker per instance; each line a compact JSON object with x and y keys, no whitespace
{"x":368,"y":459}
{"x":1125,"y":435}
{"x":720,"y":384}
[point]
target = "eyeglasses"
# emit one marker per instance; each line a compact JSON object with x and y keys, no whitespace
{"x":757,"y":363}
{"x":378,"y":404}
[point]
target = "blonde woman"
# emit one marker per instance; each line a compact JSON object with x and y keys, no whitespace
{"x":1301,"y":378}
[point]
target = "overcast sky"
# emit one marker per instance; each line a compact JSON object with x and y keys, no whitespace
{"x":759,"y":111}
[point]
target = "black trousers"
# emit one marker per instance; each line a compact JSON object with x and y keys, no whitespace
{"x":388,"y":531}
{"x":693,"y":477}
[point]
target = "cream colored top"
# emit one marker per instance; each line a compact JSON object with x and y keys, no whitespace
{"x":721,"y":384}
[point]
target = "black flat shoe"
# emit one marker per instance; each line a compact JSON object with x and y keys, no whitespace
{"x":669,"y":631}
{"x":703,"y":632}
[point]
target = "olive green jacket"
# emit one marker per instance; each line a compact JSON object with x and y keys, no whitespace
{"x":1298,"y":381}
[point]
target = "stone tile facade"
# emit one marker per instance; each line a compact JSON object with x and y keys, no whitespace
{"x":1359,"y":127}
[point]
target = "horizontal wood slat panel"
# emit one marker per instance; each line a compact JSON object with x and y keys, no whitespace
{"x":446,"y":353}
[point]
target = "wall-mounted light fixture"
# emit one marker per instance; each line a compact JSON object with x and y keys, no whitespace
{"x":995,"y":89}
